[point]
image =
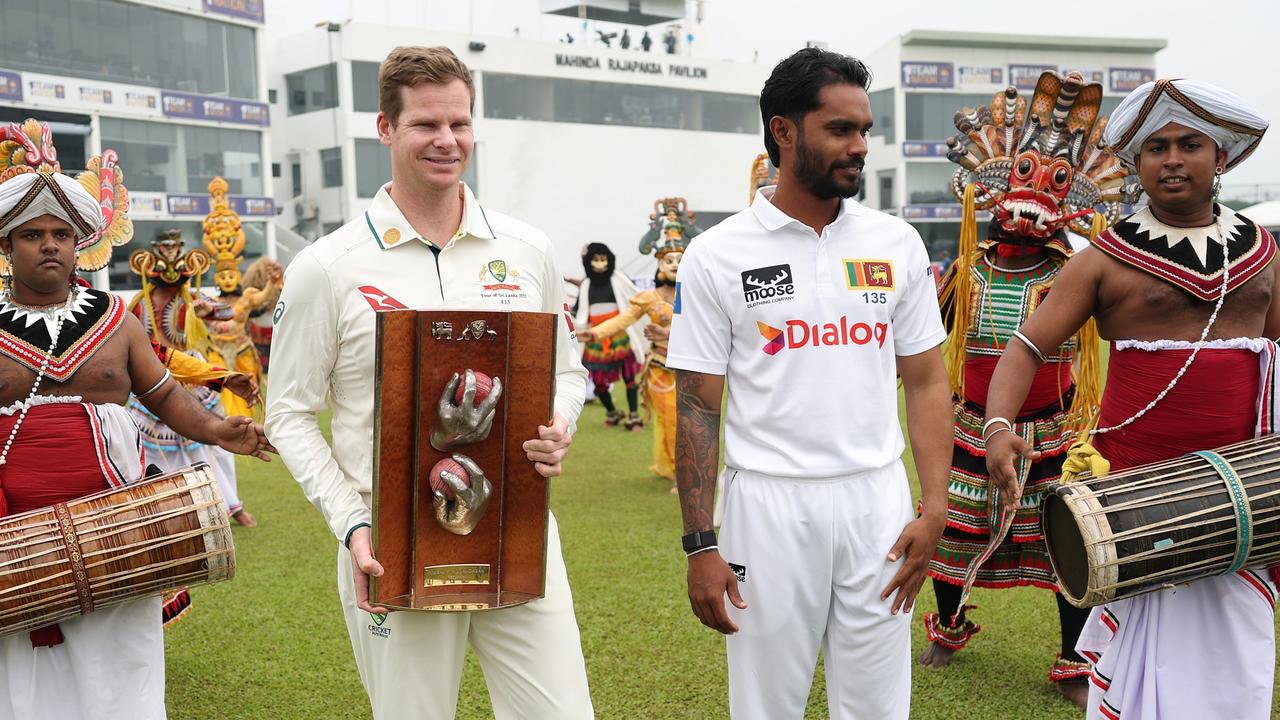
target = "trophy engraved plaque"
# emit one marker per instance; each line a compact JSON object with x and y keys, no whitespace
{"x":459,"y":513}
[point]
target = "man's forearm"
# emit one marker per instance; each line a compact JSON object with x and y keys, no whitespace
{"x":697,"y":450}
{"x":930,"y":423}
{"x":1011,"y":381}
{"x":181,"y":411}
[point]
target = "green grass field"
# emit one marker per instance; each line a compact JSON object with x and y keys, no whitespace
{"x":272,"y":644}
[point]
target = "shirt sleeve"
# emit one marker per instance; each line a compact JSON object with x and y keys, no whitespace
{"x":701,"y":333}
{"x":304,"y":347}
{"x":571,"y":376}
{"x":917,"y":319}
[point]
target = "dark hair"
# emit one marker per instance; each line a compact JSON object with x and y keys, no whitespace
{"x":591,"y":251}
{"x":792,"y":90}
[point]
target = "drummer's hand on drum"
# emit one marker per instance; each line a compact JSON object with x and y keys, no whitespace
{"x":1003,"y":449}
{"x":548,"y":450}
{"x":243,"y":436}
{"x":363,"y":565}
{"x":467,"y":422}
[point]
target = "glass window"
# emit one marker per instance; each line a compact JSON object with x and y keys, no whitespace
{"x":929,"y":183}
{"x":882,"y":114}
{"x":886,"y":191}
{"x":313,"y":89}
{"x":373,"y":168}
{"x":931,"y":116}
{"x":364,"y":86}
{"x":130,"y":43}
{"x":144,"y":231}
{"x":161,"y":157}
{"x":295,"y":178}
{"x":520,"y":97}
{"x":331,"y":166}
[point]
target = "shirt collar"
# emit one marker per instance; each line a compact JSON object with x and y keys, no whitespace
{"x":391,"y":229}
{"x":774,"y":219}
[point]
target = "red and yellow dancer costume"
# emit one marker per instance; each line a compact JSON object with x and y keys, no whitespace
{"x":1036,"y":165}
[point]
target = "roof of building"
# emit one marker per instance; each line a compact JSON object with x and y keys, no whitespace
{"x":1003,"y":41}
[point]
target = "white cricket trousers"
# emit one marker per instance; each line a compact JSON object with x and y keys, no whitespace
{"x":411,"y":663}
{"x":813,"y":554}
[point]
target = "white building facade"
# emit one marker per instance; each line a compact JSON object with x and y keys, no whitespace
{"x":176,"y":87}
{"x":576,"y":140}
{"x":924,"y":77}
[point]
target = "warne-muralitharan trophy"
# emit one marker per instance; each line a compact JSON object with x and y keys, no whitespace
{"x":459,"y":513}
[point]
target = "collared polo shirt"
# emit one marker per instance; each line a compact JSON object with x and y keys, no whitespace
{"x":323,"y":348}
{"x":806,"y":328}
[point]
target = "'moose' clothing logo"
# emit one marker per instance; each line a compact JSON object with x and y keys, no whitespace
{"x":800,"y":334}
{"x":767,"y":284}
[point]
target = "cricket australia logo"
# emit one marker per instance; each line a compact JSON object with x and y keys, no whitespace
{"x":500,"y":280}
{"x":768,"y":285}
{"x":375,"y":627}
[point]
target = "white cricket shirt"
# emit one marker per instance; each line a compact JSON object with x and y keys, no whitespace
{"x":806,"y":327}
{"x":322,"y":352}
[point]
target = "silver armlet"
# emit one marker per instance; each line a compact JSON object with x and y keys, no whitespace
{"x":163,"y":379}
{"x":1030,"y":345}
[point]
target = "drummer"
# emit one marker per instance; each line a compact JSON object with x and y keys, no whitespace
{"x":69,"y":358}
{"x":1188,"y":336}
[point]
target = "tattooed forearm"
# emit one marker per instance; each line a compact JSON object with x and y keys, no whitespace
{"x":697,"y":445}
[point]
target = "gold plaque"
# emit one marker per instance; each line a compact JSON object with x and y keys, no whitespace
{"x":437,"y":575}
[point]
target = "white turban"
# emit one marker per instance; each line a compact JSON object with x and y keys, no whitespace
{"x":1233,"y":124}
{"x":27,"y":196}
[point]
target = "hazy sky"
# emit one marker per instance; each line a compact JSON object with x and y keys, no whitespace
{"x":1232,"y":43}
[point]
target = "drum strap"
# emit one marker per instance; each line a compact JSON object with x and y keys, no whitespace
{"x":71,"y":541}
{"x":1239,"y":504}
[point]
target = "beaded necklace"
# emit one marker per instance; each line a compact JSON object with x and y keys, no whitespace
{"x":61,"y":314}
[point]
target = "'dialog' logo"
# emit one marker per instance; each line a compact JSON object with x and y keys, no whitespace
{"x":801,"y":334}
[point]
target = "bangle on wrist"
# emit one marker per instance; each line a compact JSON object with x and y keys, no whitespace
{"x":987,"y":425}
{"x":987,"y":438}
{"x":702,"y":550}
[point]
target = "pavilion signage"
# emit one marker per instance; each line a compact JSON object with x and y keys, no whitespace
{"x":627,"y":65}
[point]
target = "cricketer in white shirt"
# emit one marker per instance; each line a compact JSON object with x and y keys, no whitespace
{"x":806,"y":328}
{"x":323,"y":351}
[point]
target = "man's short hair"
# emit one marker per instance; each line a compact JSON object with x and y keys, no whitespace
{"x":792,"y":90}
{"x":407,"y":66}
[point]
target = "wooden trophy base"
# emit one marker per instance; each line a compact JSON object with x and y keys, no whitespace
{"x":501,"y":562}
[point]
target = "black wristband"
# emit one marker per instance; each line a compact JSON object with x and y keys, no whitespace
{"x":693,"y":542}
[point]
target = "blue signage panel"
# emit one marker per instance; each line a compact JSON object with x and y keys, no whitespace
{"x":10,"y":86}
{"x":1125,"y":80}
{"x":928,"y":74}
{"x":1025,"y":77}
{"x":243,"y":9}
{"x":921,"y":148}
{"x":205,"y":107}
{"x":196,"y":204}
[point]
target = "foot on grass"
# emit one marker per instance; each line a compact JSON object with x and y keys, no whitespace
{"x":243,"y":518}
{"x":936,"y":656}
{"x":1077,"y":691}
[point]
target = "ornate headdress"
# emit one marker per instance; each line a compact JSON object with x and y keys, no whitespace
{"x":671,"y":226}
{"x":1041,"y":168}
{"x":762,"y":174}
{"x":223,"y":236}
{"x":96,"y":204}
{"x":166,"y":262}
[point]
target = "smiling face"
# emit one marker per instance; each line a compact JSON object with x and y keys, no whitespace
{"x":1176,"y":165}
{"x":829,"y":146}
{"x":431,"y":140}
{"x":43,"y":252}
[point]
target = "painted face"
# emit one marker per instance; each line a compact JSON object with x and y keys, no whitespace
{"x":669,"y":264}
{"x":431,"y":141}
{"x":1176,"y":165}
{"x":228,"y":280}
{"x":43,"y":252}
{"x":599,"y":263}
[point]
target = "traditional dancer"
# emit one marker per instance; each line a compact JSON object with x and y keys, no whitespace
{"x":1189,"y":293}
{"x":808,"y":306}
{"x":614,"y":356}
{"x":1039,"y":168}
{"x":169,"y":311}
{"x":229,"y":344}
{"x":671,"y":228}
{"x":70,"y":356}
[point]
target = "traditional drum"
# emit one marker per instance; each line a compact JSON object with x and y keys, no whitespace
{"x":113,"y":546}
{"x":1208,"y":513}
